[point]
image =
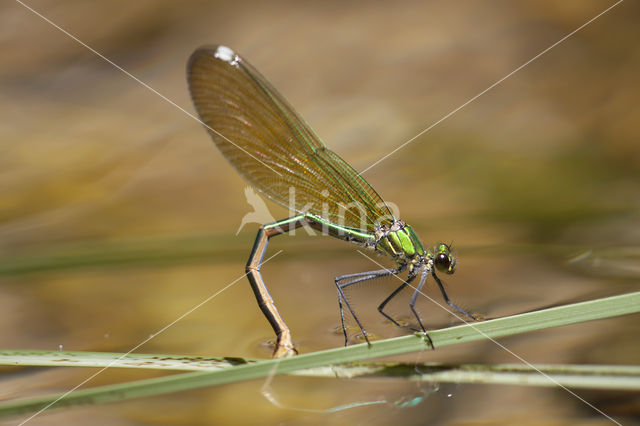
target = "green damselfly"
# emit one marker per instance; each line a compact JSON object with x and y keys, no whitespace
{"x":276,"y":152}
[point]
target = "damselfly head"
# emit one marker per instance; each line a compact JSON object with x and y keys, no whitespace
{"x":443,"y":259}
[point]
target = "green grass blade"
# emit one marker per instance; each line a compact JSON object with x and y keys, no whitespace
{"x":117,"y":360}
{"x":620,"y":377}
{"x":552,"y":317}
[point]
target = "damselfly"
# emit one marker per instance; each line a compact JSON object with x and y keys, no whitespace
{"x":276,"y":152}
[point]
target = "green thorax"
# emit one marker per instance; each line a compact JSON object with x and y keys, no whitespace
{"x":398,"y":241}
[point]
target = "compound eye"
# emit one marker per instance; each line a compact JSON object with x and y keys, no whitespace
{"x":442,"y":262}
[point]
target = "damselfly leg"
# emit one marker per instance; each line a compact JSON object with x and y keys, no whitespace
{"x":354,"y":279}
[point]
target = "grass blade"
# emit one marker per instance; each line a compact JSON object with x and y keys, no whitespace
{"x":552,"y":317}
{"x":620,"y":377}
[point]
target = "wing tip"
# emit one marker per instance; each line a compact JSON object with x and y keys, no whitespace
{"x":218,"y":52}
{"x":225,"y":53}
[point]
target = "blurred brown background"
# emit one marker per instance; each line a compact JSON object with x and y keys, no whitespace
{"x":118,"y":214}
